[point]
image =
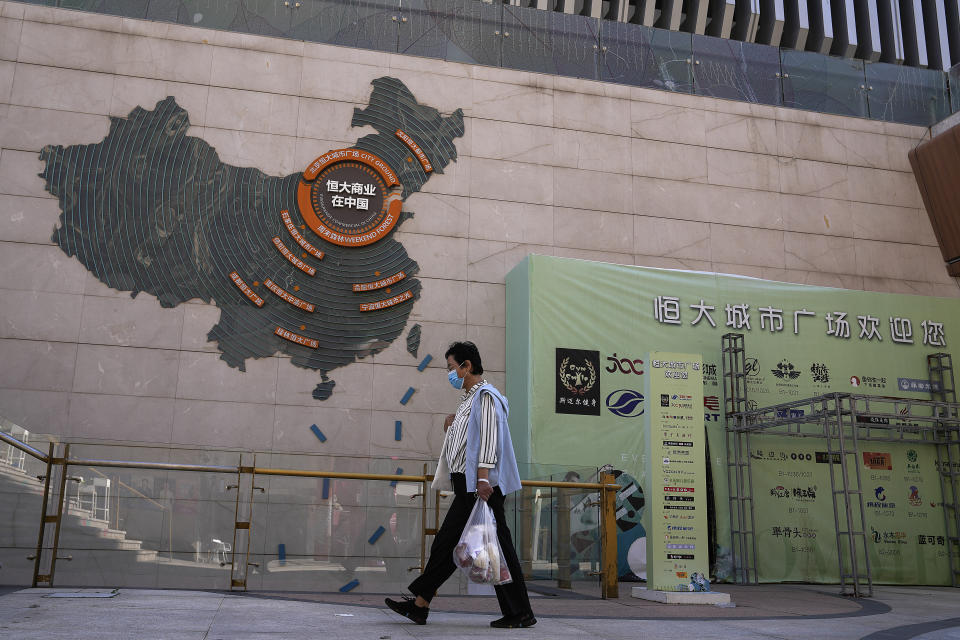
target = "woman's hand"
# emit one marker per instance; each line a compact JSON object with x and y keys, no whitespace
{"x":484,"y":490}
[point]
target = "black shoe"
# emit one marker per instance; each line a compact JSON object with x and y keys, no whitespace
{"x":408,"y":609}
{"x":514,"y":622}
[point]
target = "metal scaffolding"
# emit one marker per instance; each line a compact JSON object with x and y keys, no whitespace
{"x":842,"y":420}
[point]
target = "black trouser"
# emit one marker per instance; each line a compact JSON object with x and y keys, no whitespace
{"x":513,"y":596}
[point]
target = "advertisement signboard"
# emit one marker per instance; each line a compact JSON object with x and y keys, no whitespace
{"x":801,"y":341}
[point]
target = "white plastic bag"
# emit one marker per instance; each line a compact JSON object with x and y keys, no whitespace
{"x":478,"y":554}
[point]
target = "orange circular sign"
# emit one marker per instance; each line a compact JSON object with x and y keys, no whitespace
{"x":345,"y":197}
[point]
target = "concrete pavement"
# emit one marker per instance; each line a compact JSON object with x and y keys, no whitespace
{"x":765,"y":611}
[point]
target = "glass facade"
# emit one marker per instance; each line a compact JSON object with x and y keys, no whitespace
{"x":499,"y":35}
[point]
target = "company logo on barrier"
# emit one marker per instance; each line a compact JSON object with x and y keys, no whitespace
{"x":624,"y":365}
{"x":625,"y":403}
{"x":878,"y":492}
{"x":914,"y":497}
{"x":712,"y":403}
{"x":578,"y":389}
{"x":786,"y":371}
{"x":854,"y":381}
{"x":878,"y":461}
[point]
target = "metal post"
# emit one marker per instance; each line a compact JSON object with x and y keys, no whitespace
{"x":48,"y":545}
{"x":243,"y":521}
{"x":563,"y":539}
{"x":609,"y":587}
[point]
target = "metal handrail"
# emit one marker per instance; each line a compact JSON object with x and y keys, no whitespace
{"x":608,"y":490}
{"x":13,"y":442}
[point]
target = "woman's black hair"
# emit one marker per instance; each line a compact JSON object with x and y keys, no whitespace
{"x":463,"y":351}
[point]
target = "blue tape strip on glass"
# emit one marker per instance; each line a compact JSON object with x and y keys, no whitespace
{"x":281,"y":552}
{"x":376,"y":535}
{"x":423,"y":363}
{"x":350,"y":585}
{"x":326,"y":488}
{"x":318,"y":433}
{"x":406,"y":396}
{"x":393,"y":483}
{"x":397,"y":430}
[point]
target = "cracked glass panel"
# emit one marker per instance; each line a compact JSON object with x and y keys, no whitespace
{"x":906,"y":94}
{"x":954,"y":79}
{"x":550,"y":42}
{"x":736,"y":70}
{"x":823,"y":83}
{"x":455,"y":30}
{"x":645,"y":57}
{"x":367,"y":24}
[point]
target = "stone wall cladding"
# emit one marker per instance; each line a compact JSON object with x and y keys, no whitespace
{"x":548,"y":165}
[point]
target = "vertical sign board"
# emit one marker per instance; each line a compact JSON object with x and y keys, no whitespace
{"x":676,"y":515}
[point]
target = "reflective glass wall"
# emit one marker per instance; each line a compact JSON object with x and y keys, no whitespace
{"x":495,"y":34}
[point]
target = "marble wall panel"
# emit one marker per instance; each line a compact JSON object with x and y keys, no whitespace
{"x":592,"y":151}
{"x":671,"y":238}
{"x":499,"y":140}
{"x":592,"y":190}
{"x":204,"y":376}
{"x":491,"y":261}
{"x":486,"y":304}
{"x":455,"y":179}
{"x":441,"y":301}
{"x":31,"y":267}
{"x":892,"y":224}
{"x":661,"y":262}
{"x":811,"y":142}
{"x":585,"y":112}
{"x":130,"y":371}
{"x":883,"y":187}
{"x":136,"y":322}
{"x":39,"y":315}
{"x":867,"y":149}
{"x":64,"y":89}
{"x":516,"y":181}
{"x":256,"y":71}
{"x":447,"y":92}
{"x":295,"y":385}
{"x":597,"y":230}
{"x":747,"y":246}
{"x":31,"y":129}
{"x":810,"y":214}
{"x":130,"y":92}
{"x":391,"y":383}
{"x":27,"y":218}
{"x":39,"y":412}
{"x":656,"y":159}
{"x":19,"y":173}
{"x":324,"y":79}
{"x":272,"y":154}
{"x":707,"y":203}
{"x":740,"y":133}
{"x":422,"y":435}
{"x":437,"y":214}
{"x":511,"y":221}
{"x":667,"y":123}
{"x":40,"y":365}
{"x":900,"y":261}
{"x":328,"y":120}
{"x":120,"y":418}
{"x":741,"y":169}
{"x":347,"y":430}
{"x":813,"y":178}
{"x":595,"y":256}
{"x":198,"y":320}
{"x":205,"y":423}
{"x":438,"y":256}
{"x":252,"y":111}
{"x":830,"y":254}
{"x":7,"y":69}
{"x":513,"y":102}
{"x":435,"y":337}
{"x":9,"y":38}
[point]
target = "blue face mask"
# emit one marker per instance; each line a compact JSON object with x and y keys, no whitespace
{"x":455,"y":380}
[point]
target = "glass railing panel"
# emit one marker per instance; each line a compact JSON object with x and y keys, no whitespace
{"x":823,"y":83}
{"x":646,"y":57}
{"x":736,"y":70}
{"x":335,"y":531}
{"x":147,"y":528}
{"x":455,"y":30}
{"x":365,"y":24}
{"x":899,"y":93}
{"x":21,"y":500}
{"x":549,"y":42}
{"x":556,"y":531}
{"x":260,"y":17}
{"x":953,"y":77}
